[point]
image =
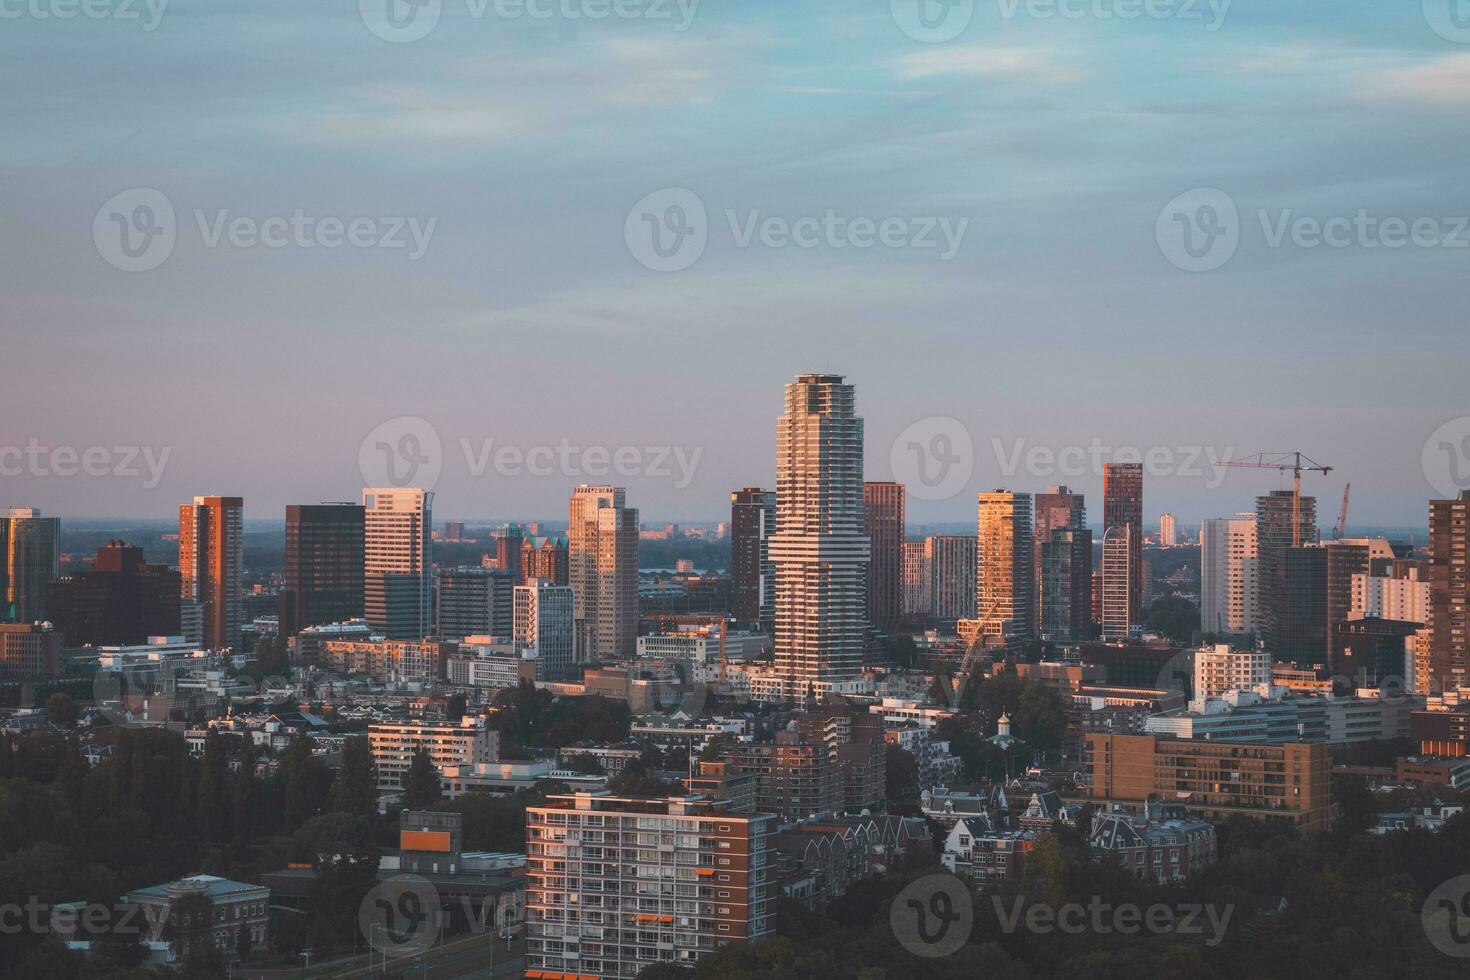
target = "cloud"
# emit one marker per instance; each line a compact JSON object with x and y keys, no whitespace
{"x":1020,"y":64}
{"x":1443,"y":82}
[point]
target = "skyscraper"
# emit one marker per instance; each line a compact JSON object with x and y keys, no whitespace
{"x":1119,"y":555}
{"x":545,"y":622}
{"x":1057,"y":508}
{"x":30,"y":557}
{"x":1066,"y":585}
{"x":883,"y":521}
{"x":819,"y":549}
{"x":602,"y":557}
{"x":1123,"y":507}
{"x":1005,"y":590}
{"x":918,"y":579}
{"x":1168,"y":531}
{"x":212,"y":566}
{"x":544,"y":558}
{"x":509,"y":542}
{"x":120,"y":600}
{"x":953,"y":559}
{"x":1273,"y":537}
{"x":397,"y":522}
{"x":473,"y":601}
{"x":1448,"y":663}
{"x":1228,"y":569}
{"x":752,"y":574}
{"x":324,"y":566}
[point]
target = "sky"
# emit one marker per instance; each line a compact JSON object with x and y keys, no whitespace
{"x":599,"y":246}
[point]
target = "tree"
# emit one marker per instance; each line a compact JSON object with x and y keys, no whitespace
{"x":422,"y":787}
{"x":901,"y":776}
{"x":61,"y":709}
{"x":243,"y":793}
{"x":187,"y":929}
{"x":1175,"y":617}
{"x":356,"y":788}
{"x":306,"y":781}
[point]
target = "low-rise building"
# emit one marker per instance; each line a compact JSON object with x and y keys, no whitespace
{"x":467,"y":743}
{"x":237,"y":907}
{"x":976,"y":849}
{"x":1166,"y":846}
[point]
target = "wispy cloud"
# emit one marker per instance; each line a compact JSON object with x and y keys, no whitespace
{"x":1444,"y":82}
{"x":1020,"y":64}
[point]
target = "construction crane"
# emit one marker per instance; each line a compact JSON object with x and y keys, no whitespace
{"x":1295,"y":462}
{"x":1341,"y":528}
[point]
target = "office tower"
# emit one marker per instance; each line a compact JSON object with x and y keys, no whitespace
{"x":509,"y":548}
{"x":752,"y":574}
{"x":120,"y":601}
{"x":396,"y":561}
{"x":1303,"y":634}
{"x":602,"y":556}
{"x":30,"y":557}
{"x":1448,"y":663}
{"x":1274,"y":535}
{"x":1066,"y":585}
{"x":324,"y":566}
{"x":1372,"y":652}
{"x":616,"y":883}
{"x":1345,"y":560}
{"x":1119,"y":554}
{"x":1168,"y":531}
{"x":29,"y":650}
{"x":918,"y":579}
{"x":1005,"y":591}
{"x":1123,"y":507}
{"x":545,"y":621}
{"x":1057,"y":508}
{"x":952,"y":557}
{"x":473,"y":602}
{"x":1228,"y":570}
{"x":212,"y":566}
{"x":883,"y":521}
{"x":819,"y":549}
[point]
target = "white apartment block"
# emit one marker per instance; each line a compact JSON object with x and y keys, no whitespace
{"x":466,"y":743}
{"x":1228,"y":569}
{"x":1219,"y":670}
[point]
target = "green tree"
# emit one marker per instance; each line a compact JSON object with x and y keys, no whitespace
{"x":422,"y":787}
{"x":61,"y":709}
{"x":356,"y":788}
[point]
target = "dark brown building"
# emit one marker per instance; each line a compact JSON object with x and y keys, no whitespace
{"x":752,"y":574}
{"x":122,"y":600}
{"x":1123,"y":507}
{"x":324,"y":566}
{"x":883,"y":521}
{"x":1371,"y":652}
{"x":1274,"y":538}
{"x":1449,"y":593}
{"x":543,"y":558}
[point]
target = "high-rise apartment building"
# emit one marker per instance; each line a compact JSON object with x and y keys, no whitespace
{"x":1274,"y":536}
{"x":883,"y":520}
{"x":545,"y":621}
{"x":752,"y":573}
{"x":30,"y":557}
{"x":1123,"y":507}
{"x":952,"y":559}
{"x":509,"y":544}
{"x":473,"y":601}
{"x":918,"y":579}
{"x":397,"y":588}
{"x":324,"y":566}
{"x":544,"y":558}
{"x":616,"y":884}
{"x":1066,"y":585}
{"x":1119,"y":555}
{"x":212,"y":565}
{"x":1399,"y":590}
{"x":602,"y":556}
{"x":1059,"y":507}
{"x":1228,"y":569}
{"x":1168,"y":531}
{"x":819,"y":549}
{"x":1005,"y":590}
{"x":1448,"y":663}
{"x":120,"y":601}
{"x":1219,"y":669}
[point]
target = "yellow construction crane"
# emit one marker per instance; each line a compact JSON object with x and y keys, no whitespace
{"x":1295,"y":462}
